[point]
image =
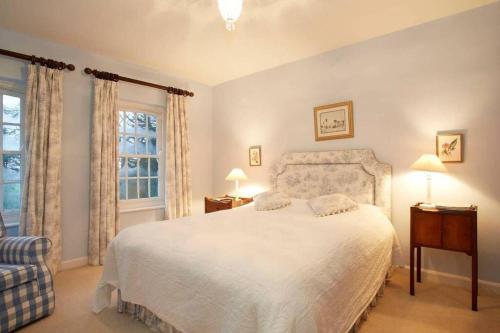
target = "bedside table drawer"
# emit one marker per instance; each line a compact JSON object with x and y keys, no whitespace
{"x":216,"y":205}
{"x":457,"y":233}
{"x":427,"y":228}
{"x":223,"y":203}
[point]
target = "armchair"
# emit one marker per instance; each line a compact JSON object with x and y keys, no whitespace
{"x":26,"y":290}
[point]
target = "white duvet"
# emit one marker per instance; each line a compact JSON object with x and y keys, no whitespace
{"x":249,"y":271}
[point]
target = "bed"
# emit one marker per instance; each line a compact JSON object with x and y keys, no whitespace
{"x":247,"y":271}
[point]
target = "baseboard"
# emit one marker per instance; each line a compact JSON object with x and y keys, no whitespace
{"x":74,"y":263}
{"x":487,"y":287}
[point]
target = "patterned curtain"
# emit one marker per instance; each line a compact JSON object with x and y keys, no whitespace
{"x":104,"y":210}
{"x":41,"y":200}
{"x":178,"y":180}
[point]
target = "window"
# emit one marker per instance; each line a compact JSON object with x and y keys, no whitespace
{"x":140,"y":161}
{"x":12,"y":155}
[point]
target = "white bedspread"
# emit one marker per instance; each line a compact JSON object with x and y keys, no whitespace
{"x":250,"y":271}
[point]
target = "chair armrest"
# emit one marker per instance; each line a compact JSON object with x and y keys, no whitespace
{"x":24,"y":250}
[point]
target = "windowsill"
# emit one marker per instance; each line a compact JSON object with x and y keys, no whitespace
{"x":139,"y":209}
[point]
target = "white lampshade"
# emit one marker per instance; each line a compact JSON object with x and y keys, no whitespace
{"x":429,"y":162}
{"x":236,"y":174}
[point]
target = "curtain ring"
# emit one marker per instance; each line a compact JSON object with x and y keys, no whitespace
{"x":33,"y":59}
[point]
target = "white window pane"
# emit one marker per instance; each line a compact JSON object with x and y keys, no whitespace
{"x":121,"y":144}
{"x":130,"y":122}
{"x":152,"y":146}
{"x":132,"y":188}
{"x":154,"y":187}
{"x":122,"y":167}
{"x":11,"y":137}
{"x":141,"y":123}
{"x":143,"y":188}
{"x":143,"y":167}
{"x":11,"y":109}
{"x":153,"y":167}
{"x":132,"y":167}
{"x":11,"y":167}
{"x":11,"y":196}
{"x":130,"y":145}
{"x":152,"y":124}
{"x":123,"y":189}
{"x":141,"y":145}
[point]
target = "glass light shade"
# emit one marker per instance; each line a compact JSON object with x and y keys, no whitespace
{"x":429,"y":162}
{"x":236,"y":174}
{"x":230,"y":10}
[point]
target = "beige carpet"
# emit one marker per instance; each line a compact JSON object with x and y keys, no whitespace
{"x":435,"y":308}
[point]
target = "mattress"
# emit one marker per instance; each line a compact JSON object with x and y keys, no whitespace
{"x":243,"y":270}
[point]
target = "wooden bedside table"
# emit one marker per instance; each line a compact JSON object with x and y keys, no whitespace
{"x":447,"y":229}
{"x":225,"y":202}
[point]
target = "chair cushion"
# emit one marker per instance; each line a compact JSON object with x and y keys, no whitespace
{"x":18,"y":295}
{"x":14,"y":275}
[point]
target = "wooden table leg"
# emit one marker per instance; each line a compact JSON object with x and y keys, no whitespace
{"x":419,"y":264}
{"x":412,"y":270}
{"x":474,"y":281}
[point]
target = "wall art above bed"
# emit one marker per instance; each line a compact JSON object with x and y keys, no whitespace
{"x":333,"y":121}
{"x":254,"y":158}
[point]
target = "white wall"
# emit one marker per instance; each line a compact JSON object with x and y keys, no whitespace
{"x":405,"y":86}
{"x":76,"y":128}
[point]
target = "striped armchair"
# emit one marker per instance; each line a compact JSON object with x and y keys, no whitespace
{"x":26,"y":292}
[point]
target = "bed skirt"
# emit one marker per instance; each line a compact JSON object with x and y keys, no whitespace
{"x":154,"y":323}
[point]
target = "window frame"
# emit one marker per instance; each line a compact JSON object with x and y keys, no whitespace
{"x":130,"y":205}
{"x":12,"y":217}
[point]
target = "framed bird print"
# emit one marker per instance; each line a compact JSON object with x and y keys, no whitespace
{"x":333,"y":121}
{"x":449,"y":147}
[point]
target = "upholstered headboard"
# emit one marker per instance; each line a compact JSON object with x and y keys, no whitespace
{"x":356,"y":173}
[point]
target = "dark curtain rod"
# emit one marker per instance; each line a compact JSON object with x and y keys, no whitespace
{"x":42,"y":61}
{"x":116,"y":77}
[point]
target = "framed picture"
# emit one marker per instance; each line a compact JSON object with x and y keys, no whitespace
{"x":254,"y":156}
{"x":449,"y":147}
{"x":333,"y":121}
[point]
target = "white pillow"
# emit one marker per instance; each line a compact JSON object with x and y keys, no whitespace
{"x":271,"y":201}
{"x":331,"y":204}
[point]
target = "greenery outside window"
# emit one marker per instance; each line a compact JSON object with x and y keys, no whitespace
{"x":140,"y":161}
{"x":12,"y":156}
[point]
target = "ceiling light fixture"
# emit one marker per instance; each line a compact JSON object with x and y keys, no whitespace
{"x":230,"y":10}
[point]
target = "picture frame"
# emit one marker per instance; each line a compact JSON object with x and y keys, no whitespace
{"x":450,"y":147}
{"x":334,"y":121}
{"x":254,"y":156}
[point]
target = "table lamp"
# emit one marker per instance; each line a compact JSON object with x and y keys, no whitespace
{"x":429,"y":163}
{"x":237,"y":174}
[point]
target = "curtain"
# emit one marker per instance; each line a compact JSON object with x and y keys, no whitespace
{"x":41,"y":199}
{"x":104,"y":210}
{"x":178,"y":180}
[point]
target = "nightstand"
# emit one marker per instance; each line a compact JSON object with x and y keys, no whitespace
{"x":225,"y":202}
{"x":447,"y":229}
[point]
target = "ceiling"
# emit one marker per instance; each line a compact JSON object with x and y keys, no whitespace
{"x":187,"y":38}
